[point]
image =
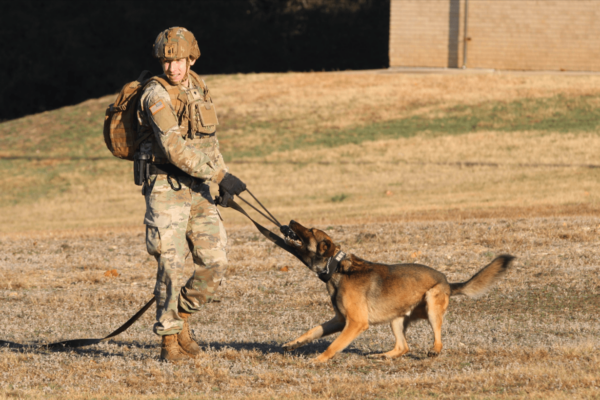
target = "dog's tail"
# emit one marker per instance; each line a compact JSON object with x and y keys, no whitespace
{"x":482,"y":281}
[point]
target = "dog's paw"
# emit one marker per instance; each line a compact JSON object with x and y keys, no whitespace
{"x":293,"y":345}
{"x":433,"y":353}
{"x":319,"y":360}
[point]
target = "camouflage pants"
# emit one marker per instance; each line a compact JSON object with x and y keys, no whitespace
{"x":179,"y":222}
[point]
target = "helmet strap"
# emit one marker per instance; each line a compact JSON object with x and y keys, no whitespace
{"x":187,"y":70}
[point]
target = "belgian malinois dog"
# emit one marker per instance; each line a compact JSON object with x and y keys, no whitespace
{"x":364,"y":293}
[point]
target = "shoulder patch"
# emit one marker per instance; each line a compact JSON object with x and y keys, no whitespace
{"x":163,"y":116}
{"x":156,"y":107}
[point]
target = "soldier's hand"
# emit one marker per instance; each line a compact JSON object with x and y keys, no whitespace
{"x":223,"y":198}
{"x":232,"y":184}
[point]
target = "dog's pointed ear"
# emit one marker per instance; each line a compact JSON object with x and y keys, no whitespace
{"x":326,"y":248}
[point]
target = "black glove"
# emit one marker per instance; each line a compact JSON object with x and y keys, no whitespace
{"x":223,"y":198}
{"x":232,"y":185}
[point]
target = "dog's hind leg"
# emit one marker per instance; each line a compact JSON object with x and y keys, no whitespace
{"x":398,"y":327}
{"x":334,"y":325}
{"x":437,"y":299}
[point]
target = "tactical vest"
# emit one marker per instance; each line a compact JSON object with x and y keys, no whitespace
{"x":194,"y":108}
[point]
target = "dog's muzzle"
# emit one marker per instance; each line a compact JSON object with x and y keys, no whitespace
{"x":288,"y":232}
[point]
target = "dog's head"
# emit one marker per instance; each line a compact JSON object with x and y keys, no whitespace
{"x":313,"y":246}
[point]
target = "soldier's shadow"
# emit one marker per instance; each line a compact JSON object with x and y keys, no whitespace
{"x":38,"y":347}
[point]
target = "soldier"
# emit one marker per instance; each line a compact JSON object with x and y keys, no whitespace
{"x":176,"y":111}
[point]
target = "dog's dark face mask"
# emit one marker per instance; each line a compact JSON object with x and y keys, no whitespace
{"x":313,"y":246}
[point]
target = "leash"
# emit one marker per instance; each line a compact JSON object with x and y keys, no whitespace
{"x":85,"y":342}
{"x":277,"y":240}
{"x":332,"y":263}
{"x":273,"y":220}
{"x":286,"y":230}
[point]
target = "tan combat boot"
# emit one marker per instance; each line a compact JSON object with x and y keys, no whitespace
{"x":186,"y":342}
{"x":170,"y":350}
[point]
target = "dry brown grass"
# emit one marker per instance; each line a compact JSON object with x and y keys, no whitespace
{"x":535,"y":336}
{"x":382,"y":180}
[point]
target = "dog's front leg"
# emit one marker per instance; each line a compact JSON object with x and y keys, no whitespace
{"x":355,"y":325}
{"x":334,"y":325}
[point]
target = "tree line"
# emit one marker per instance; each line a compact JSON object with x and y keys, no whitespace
{"x":63,"y":52}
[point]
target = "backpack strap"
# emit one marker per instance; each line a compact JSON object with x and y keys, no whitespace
{"x":159,"y":78}
{"x":165,"y":84}
{"x":142,"y":75}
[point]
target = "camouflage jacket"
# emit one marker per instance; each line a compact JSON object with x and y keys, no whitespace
{"x":181,"y":137}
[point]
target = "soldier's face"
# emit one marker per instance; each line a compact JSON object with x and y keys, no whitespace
{"x":177,"y":69}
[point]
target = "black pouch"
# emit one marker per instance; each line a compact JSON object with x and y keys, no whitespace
{"x":141,"y":168}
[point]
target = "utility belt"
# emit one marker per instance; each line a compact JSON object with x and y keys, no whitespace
{"x":143,"y":169}
{"x":166,"y":169}
{"x":143,"y":166}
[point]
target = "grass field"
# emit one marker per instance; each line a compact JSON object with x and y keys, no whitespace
{"x":444,"y":170}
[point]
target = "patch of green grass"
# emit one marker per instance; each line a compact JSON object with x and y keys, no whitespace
{"x":55,"y":150}
{"x":338,"y":198}
{"x":555,"y":114}
{"x":74,"y":132}
{"x":29,"y":180}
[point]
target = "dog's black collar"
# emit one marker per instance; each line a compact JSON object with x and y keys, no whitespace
{"x":332,"y":266}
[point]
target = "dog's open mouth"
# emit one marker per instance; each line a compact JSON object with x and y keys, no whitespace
{"x":293,"y":242}
{"x":290,"y":236}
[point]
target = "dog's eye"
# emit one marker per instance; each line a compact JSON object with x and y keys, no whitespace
{"x":323,"y":247}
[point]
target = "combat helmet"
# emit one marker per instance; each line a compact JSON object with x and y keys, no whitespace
{"x":175,"y":43}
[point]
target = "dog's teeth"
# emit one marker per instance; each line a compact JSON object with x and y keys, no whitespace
{"x":293,"y":242}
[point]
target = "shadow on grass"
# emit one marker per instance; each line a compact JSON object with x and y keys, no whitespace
{"x":42,"y":347}
{"x":310,"y":350}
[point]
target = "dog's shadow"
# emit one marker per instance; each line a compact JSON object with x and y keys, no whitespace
{"x":314,"y":348}
{"x":309,"y":350}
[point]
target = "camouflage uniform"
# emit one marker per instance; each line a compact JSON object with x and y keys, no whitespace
{"x":181,"y":216}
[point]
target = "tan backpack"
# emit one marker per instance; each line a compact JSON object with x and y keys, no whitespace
{"x":120,"y":121}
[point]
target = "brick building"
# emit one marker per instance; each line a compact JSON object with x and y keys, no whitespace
{"x":500,"y":34}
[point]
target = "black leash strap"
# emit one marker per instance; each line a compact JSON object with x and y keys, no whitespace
{"x":85,"y":342}
{"x":264,"y":208}
{"x":274,"y":222}
{"x":266,"y":233}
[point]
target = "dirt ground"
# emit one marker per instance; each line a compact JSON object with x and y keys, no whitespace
{"x":536,"y":335}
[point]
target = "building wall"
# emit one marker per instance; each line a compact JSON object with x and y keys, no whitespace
{"x":504,"y":34}
{"x":426,"y":33}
